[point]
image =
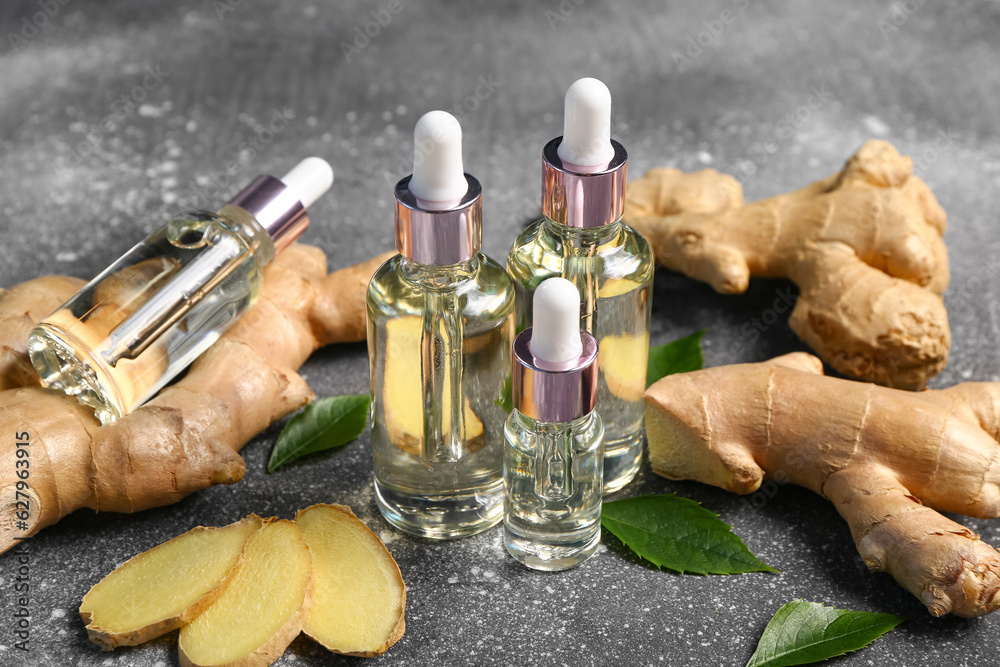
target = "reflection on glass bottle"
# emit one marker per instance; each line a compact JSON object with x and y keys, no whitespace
{"x":144,"y":319}
{"x":440,"y":322}
{"x":554,"y":457}
{"x":582,"y":238}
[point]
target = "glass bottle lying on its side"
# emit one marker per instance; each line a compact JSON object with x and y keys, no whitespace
{"x":146,"y":317}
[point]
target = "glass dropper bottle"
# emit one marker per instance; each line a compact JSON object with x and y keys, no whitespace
{"x":146,"y":317}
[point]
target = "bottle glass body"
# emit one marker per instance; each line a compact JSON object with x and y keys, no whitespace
{"x":439,"y":345}
{"x":146,"y":317}
{"x":613,"y":267}
{"x":553,"y":474}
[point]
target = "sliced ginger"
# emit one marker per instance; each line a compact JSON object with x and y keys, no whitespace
{"x":623,"y":359}
{"x":403,"y":390}
{"x":261,"y":611}
{"x":359,"y":594}
{"x":163,"y":588}
{"x":242,"y":593}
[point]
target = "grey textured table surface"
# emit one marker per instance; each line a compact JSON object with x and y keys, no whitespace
{"x":169,"y":93}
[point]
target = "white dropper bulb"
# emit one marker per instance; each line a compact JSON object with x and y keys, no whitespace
{"x":309,"y":179}
{"x":438,"y":174}
{"x":555,"y":330}
{"x":587,"y":125}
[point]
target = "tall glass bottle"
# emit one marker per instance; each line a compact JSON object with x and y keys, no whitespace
{"x":554,"y":459}
{"x":440,"y":323}
{"x":146,"y":317}
{"x":581,"y":237}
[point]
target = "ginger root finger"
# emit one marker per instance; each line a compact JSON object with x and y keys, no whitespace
{"x":188,"y":437}
{"x":941,"y":562}
{"x":262,"y":608}
{"x":729,"y":426}
{"x":166,"y":587}
{"x":843,"y":240}
{"x":359,"y":597}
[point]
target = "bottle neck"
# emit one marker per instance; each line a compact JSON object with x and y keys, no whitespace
{"x":551,"y":428}
{"x":438,"y":276}
{"x":583,"y":237}
{"x":247,"y":226}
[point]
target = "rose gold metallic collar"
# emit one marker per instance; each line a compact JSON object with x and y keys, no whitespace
{"x":439,"y":237}
{"x":583,"y":196}
{"x":549,"y":395}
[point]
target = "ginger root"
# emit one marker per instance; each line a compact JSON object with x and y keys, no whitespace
{"x":186,"y":438}
{"x":878,"y":454}
{"x":166,"y":587}
{"x":864,"y":247}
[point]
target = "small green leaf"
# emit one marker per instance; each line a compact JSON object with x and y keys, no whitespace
{"x":506,"y":398}
{"x":804,"y":632}
{"x":680,"y":535}
{"x":681,"y":356}
{"x":324,"y":424}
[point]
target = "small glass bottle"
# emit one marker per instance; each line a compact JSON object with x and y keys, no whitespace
{"x":581,"y":237}
{"x":554,"y":457}
{"x":440,"y":323}
{"x":146,"y":317}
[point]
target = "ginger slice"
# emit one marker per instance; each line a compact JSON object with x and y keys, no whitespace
{"x":263,"y":607}
{"x":360,"y":597}
{"x":403,"y":391}
{"x":623,"y":359}
{"x":163,"y":588}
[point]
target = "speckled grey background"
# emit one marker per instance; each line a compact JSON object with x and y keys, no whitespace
{"x":170,"y":92}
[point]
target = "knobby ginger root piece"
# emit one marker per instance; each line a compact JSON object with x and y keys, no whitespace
{"x":188,"y":437}
{"x":359,"y":595}
{"x":864,"y":246}
{"x":879,"y":454}
{"x":163,"y":588}
{"x":402,"y":390}
{"x":262,"y":608}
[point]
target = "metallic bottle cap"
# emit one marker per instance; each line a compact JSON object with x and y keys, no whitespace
{"x":583,"y":196}
{"x":554,"y":392}
{"x":439,"y":233}
{"x":276,"y":207}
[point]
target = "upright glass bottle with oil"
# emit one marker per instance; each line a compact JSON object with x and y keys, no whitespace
{"x":440,"y":323}
{"x":581,"y":237}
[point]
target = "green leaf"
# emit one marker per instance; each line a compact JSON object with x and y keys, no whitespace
{"x":324,"y":424}
{"x":506,"y":398}
{"x":804,"y":632}
{"x":681,"y":356}
{"x":680,"y":535}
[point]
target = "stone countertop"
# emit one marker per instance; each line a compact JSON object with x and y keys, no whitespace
{"x":116,"y":114}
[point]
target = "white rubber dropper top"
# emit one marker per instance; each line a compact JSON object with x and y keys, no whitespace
{"x":438,"y":173}
{"x":587,"y":125}
{"x":309,"y":179}
{"x":555,"y":330}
